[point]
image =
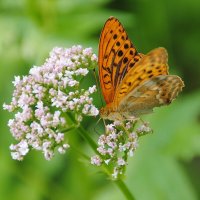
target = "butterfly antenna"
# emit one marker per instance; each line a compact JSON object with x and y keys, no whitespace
{"x":97,"y":123}
{"x":98,"y":86}
{"x":96,"y":126}
{"x":104,"y":124}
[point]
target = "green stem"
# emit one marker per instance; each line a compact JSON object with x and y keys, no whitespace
{"x":87,"y":137}
{"x":122,"y":186}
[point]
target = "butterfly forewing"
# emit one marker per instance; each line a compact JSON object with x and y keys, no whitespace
{"x":151,"y":65}
{"x":117,"y":56}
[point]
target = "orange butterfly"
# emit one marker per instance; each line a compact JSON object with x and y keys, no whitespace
{"x":132,"y":83}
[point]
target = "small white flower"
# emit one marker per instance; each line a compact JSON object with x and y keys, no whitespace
{"x":79,"y":118}
{"x":102,"y":150}
{"x":131,"y":153}
{"x":128,"y":125}
{"x":117,"y":123}
{"x":144,"y":128}
{"x":121,"y":162}
{"x":10,"y":108}
{"x":16,"y":81}
{"x":62,"y":149}
{"x":92,"y":89}
{"x":48,"y":154}
{"x":34,"y":71}
{"x":12,"y":147}
{"x":94,"y":58}
{"x":66,"y":146}
{"x":82,"y":71}
{"x":96,"y":160}
{"x":115,"y":173}
{"x":102,"y":140}
{"x":10,"y":122}
{"x":16,"y":156}
{"x":87,"y":52}
{"x":59,"y":137}
{"x":72,"y":83}
{"x":112,"y":144}
{"x":46,"y":145}
{"x":23,"y":147}
{"x":112,"y":136}
{"x":107,"y":161}
{"x":110,"y":152}
{"x":110,"y":127}
{"x":122,"y":147}
{"x":19,"y":150}
{"x":93,"y":111}
{"x":133,"y":136}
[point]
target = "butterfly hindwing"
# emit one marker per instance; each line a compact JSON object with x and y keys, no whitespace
{"x":117,"y":56}
{"x":155,"y":92}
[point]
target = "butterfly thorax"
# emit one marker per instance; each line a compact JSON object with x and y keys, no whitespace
{"x":109,"y":112}
{"x":112,"y":112}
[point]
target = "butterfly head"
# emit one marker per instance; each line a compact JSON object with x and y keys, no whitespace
{"x":104,"y":113}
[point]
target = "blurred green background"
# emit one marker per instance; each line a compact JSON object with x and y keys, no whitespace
{"x":167,"y":163}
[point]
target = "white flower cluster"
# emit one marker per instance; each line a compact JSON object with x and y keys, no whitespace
{"x":117,"y":144}
{"x":42,"y":99}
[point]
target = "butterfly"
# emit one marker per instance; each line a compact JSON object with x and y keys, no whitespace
{"x":132,"y":83}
